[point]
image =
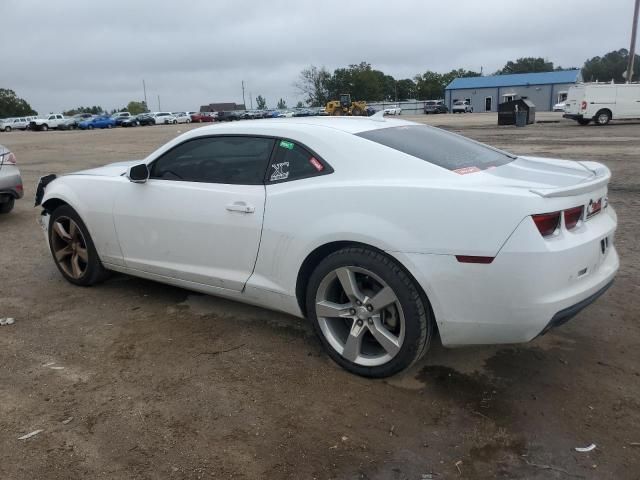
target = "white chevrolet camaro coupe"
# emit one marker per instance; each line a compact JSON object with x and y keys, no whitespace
{"x":378,"y":231}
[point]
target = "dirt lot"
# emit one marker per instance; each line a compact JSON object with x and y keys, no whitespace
{"x":163,"y":383}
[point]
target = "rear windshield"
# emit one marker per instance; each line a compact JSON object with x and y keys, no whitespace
{"x":442,"y":148}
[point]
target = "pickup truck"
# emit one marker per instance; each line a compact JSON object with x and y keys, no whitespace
{"x":47,"y":121}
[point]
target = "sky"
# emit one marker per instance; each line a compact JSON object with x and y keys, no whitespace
{"x":65,"y":53}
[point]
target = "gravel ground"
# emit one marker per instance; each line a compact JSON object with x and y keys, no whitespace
{"x":137,"y":380}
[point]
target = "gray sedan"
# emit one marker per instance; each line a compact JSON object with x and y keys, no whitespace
{"x":10,"y":180}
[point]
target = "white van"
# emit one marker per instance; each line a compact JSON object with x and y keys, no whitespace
{"x":602,"y":102}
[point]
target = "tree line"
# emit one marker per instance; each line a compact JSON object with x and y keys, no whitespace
{"x":363,"y":82}
{"x":318,"y":85}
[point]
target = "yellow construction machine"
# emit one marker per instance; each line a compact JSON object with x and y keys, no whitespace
{"x":345,"y":106}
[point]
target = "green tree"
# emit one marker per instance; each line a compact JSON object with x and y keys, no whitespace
{"x":261,"y":103}
{"x":135,"y":108}
{"x":406,"y":89}
{"x":13,"y":106}
{"x":526,"y":65}
{"x":282,"y":104}
{"x":430,"y":85}
{"x":299,"y":104}
{"x":313,"y":83}
{"x":609,"y":67}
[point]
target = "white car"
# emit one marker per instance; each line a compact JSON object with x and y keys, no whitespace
{"x":460,"y":106}
{"x":182,"y":117}
{"x":47,"y":122}
{"x":8,"y":124}
{"x":396,"y":110}
{"x":559,"y":107}
{"x":164,"y":118}
{"x":378,"y":231}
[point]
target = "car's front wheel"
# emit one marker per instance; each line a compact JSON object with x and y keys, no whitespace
{"x":368,"y":312}
{"x":72,"y":248}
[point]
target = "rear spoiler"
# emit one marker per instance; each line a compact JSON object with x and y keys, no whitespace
{"x":600,"y":178}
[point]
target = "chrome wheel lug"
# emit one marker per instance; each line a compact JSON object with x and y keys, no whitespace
{"x":352,"y":311}
{"x":359,"y":303}
{"x":370,"y":321}
{"x":370,"y":308}
{"x":359,"y":323}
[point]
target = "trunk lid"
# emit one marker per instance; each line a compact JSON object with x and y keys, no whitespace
{"x":550,"y":177}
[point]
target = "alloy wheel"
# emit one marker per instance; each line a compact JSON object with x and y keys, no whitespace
{"x":69,"y":247}
{"x":360,"y":316}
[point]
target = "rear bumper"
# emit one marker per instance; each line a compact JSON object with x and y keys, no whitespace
{"x":10,"y":184}
{"x":528,"y":288}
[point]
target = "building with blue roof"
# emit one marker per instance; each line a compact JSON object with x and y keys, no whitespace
{"x":544,"y":89}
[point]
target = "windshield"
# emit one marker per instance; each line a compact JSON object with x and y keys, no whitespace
{"x":442,"y":148}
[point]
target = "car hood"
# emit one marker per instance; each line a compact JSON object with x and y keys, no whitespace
{"x":111,"y":170}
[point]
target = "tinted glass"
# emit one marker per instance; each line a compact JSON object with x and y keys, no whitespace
{"x":235,"y":160}
{"x":439,"y":147}
{"x":293,"y":162}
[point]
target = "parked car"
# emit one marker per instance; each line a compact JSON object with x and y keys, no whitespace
{"x":461,"y":106}
{"x":164,"y":118}
{"x":182,"y":117}
{"x":512,"y":247}
{"x":47,"y":122}
{"x":145,"y":119}
{"x":559,"y":107}
{"x":10,"y":180}
{"x":8,"y":124}
{"x":97,"y":122}
{"x":435,"y":106}
{"x":202,"y":117}
{"x":119,"y":117}
{"x":603,"y":102}
{"x":72,"y":123}
{"x":228,"y":116}
{"x":396,"y":110}
{"x":369,"y":111}
{"x":131,"y":121}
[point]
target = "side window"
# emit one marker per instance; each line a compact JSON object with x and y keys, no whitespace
{"x":233,"y":160}
{"x":292,"y":162}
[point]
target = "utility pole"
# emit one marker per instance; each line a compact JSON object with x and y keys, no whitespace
{"x":251,"y":100}
{"x":159,"y":109}
{"x":243,"y":102}
{"x":632,"y":49}
{"x":144,"y":89}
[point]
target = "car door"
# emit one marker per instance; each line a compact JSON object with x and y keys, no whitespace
{"x":199,"y":216}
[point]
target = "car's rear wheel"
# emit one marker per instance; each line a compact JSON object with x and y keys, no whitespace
{"x":109,"y":125}
{"x":72,"y":248}
{"x":7,"y":129}
{"x":368,"y":312}
{"x":45,"y":127}
{"x":7,"y":206}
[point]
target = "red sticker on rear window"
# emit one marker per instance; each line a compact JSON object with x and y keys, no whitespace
{"x":316,"y":163}
{"x":466,"y":170}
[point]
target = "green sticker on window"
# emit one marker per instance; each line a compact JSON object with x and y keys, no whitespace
{"x":285,"y":144}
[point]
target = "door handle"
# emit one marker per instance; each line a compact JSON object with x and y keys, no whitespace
{"x":241,"y":207}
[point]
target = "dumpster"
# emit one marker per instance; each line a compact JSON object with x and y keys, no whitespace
{"x":507,"y":111}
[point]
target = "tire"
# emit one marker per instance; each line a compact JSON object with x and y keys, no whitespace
{"x":44,"y":127}
{"x":584,"y":121}
{"x":90,"y":271}
{"x":7,"y":206}
{"x":109,"y":126}
{"x":90,"y":127}
{"x":175,"y":122}
{"x":7,"y":129}
{"x":603,"y":117}
{"x":405,"y":324}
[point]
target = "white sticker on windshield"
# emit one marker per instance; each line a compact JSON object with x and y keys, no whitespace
{"x":280,"y":171}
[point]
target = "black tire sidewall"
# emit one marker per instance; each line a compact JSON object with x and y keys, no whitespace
{"x":95,"y":270}
{"x":418,"y":324}
{"x":6,"y":207}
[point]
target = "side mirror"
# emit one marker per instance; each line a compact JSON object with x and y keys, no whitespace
{"x":138,"y":173}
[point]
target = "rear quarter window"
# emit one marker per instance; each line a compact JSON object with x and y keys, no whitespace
{"x":439,"y":147}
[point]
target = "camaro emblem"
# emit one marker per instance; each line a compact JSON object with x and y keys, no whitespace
{"x":594,"y":207}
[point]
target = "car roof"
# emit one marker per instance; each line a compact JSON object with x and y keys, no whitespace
{"x":351,"y":125}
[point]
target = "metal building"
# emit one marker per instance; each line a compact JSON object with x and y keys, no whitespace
{"x":544,"y":89}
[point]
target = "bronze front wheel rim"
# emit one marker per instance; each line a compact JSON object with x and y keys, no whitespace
{"x":69,"y":247}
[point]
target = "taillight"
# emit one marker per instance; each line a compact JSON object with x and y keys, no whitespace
{"x":583,"y":105}
{"x":572,"y":216}
{"x":547,"y":223}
